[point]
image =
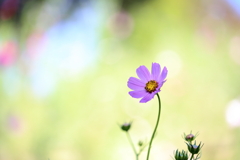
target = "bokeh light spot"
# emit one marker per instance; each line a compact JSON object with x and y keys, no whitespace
{"x":172,"y":60}
{"x":233,"y":113}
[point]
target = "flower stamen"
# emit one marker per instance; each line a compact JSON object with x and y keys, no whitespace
{"x":151,"y":86}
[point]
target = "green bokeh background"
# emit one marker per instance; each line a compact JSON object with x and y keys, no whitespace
{"x":198,"y":41}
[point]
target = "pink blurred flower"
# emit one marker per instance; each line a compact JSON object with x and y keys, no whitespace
{"x":8,"y":54}
{"x":13,"y":123}
{"x":121,"y":24}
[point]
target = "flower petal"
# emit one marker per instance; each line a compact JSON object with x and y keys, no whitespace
{"x":163,"y":74}
{"x":134,"y":87}
{"x":138,"y":94}
{"x":147,"y":98}
{"x":156,"y":70}
{"x":143,"y":74}
{"x":135,"y":84}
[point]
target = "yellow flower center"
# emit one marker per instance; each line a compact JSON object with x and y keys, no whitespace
{"x":151,"y":86}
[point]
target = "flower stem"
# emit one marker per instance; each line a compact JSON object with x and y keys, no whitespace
{"x":191,"y":156}
{"x":131,"y":142}
{"x":155,"y":129}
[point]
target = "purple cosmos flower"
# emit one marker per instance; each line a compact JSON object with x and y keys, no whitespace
{"x":149,"y":83}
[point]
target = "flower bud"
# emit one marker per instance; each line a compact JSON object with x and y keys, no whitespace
{"x":181,"y":155}
{"x":126,"y":126}
{"x":189,"y":137}
{"x":140,"y":143}
{"x":193,"y":148}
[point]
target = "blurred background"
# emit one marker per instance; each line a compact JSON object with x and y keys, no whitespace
{"x":64,"y":66}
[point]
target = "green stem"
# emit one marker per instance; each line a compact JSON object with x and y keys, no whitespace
{"x":131,"y":142}
{"x":159,"y":112}
{"x":191,"y":156}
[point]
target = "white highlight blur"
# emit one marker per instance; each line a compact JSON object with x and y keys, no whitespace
{"x":233,"y":113}
{"x":172,"y":61}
